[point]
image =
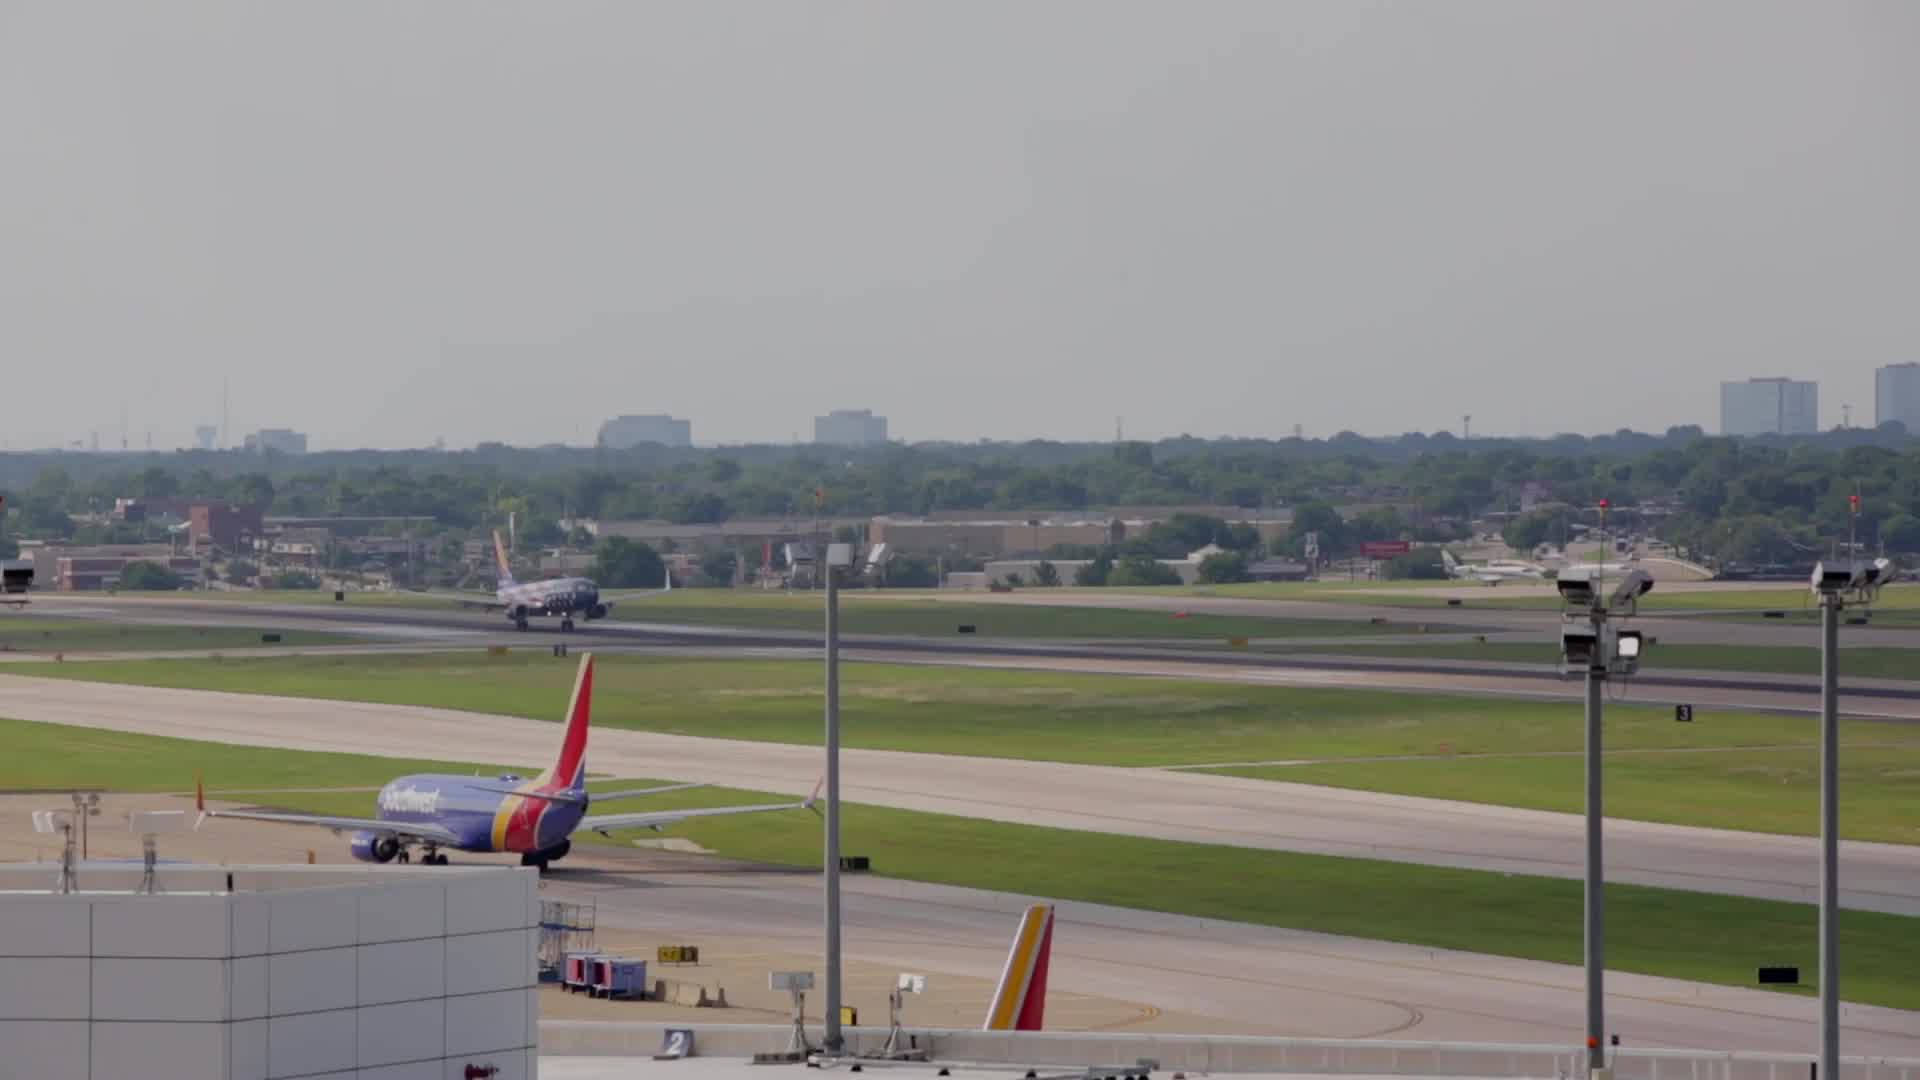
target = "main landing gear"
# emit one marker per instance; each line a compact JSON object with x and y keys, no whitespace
{"x":546,"y":855}
{"x":566,"y":626}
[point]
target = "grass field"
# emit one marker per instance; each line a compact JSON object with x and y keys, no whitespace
{"x":1772,"y":790}
{"x":33,"y":633}
{"x":1856,"y":662}
{"x":59,"y":757}
{"x":1654,"y":931}
{"x":1117,"y":720}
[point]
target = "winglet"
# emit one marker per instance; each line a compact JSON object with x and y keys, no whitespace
{"x":1020,"y":1001}
{"x":199,"y":798}
{"x":815,"y":797}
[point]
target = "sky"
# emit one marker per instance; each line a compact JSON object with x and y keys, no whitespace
{"x":389,"y":223}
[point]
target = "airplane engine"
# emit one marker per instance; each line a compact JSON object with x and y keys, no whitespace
{"x":370,"y":847}
{"x":597,"y":611}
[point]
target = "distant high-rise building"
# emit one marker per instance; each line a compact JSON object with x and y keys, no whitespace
{"x":204,"y":435}
{"x":282,"y":440}
{"x":1770,"y":407}
{"x":625,"y":432}
{"x":850,"y":427}
{"x":1896,"y":395}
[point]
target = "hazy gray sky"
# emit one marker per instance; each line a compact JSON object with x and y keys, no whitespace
{"x":386,"y":222}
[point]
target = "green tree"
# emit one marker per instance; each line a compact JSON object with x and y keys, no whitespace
{"x":1531,"y":529}
{"x":1420,"y":564}
{"x":620,"y":563}
{"x":912,"y":572}
{"x":717,"y":567}
{"x":293,"y":579}
{"x":1045,"y":574}
{"x":1137,"y":570}
{"x":1901,"y":534}
{"x":1096,"y":572}
{"x":1321,"y":518}
{"x":1224,"y":568}
{"x":149,"y":576}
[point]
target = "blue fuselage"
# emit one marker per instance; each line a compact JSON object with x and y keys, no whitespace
{"x":485,"y":813}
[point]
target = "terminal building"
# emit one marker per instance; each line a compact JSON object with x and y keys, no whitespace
{"x":262,"y":973}
{"x":1896,"y":395}
{"x":850,"y":427}
{"x":627,"y":432}
{"x":1774,"y":406}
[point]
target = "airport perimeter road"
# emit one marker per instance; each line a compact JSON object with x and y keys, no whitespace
{"x":1172,"y":805}
{"x":1254,"y":979}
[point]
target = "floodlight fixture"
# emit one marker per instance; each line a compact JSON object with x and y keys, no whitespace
{"x":1576,"y":589}
{"x":1624,"y":658}
{"x":1831,"y":580}
{"x":1579,"y":647}
{"x":51,"y":821}
{"x":839,"y":556}
{"x":1625,"y":597}
{"x":911,"y":984}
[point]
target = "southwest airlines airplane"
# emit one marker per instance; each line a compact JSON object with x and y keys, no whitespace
{"x":565,"y":597}
{"x":533,"y":818}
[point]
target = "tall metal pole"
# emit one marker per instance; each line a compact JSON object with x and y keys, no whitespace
{"x":1596,"y":879}
{"x":834,"y":1042}
{"x":1830,"y":836}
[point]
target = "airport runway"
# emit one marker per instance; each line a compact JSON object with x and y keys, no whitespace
{"x":1167,"y":804}
{"x":1113,"y":968}
{"x":1873,"y":698}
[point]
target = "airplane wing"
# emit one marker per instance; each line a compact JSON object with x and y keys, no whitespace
{"x":439,"y":834}
{"x":472,"y":603}
{"x":654,"y":819}
{"x":634,"y":793}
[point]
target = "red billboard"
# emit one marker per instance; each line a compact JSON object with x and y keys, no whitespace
{"x":1385,"y":549}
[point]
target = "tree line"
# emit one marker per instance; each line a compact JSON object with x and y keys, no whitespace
{"x":1753,"y":500}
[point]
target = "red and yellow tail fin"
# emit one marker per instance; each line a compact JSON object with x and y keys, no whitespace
{"x":1021,"y":998}
{"x":570,"y":768}
{"x":500,"y":560}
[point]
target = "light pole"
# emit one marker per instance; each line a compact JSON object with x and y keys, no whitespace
{"x":1588,"y":641}
{"x":837,"y":557}
{"x":1834,"y":585}
{"x":1830,"y":604}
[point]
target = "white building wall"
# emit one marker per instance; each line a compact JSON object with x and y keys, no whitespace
{"x":326,"y":974}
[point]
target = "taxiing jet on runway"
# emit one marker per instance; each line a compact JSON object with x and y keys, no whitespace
{"x":1491,"y":573}
{"x":565,"y":597}
{"x":534,"y":818}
